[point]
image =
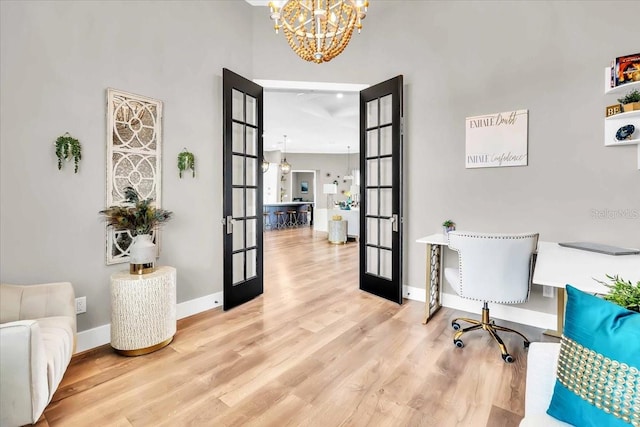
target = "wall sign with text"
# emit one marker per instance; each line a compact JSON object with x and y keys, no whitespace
{"x":497,"y":140}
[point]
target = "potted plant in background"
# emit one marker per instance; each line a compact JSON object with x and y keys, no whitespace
{"x":448,"y":226}
{"x":139,"y":217}
{"x":186,"y":160}
{"x":622,"y":292}
{"x":67,"y":147}
{"x":630,"y":101}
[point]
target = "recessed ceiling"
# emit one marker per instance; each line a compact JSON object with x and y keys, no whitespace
{"x":258,"y":2}
{"x":314,"y":121}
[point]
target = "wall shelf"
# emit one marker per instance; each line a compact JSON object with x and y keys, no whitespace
{"x":608,"y":90}
{"x":613,"y":123}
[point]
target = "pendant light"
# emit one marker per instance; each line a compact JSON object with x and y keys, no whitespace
{"x":286,"y":167}
{"x":265,"y":165}
{"x":348,"y":174}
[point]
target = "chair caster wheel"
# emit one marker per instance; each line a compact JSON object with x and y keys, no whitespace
{"x":458,"y":343}
{"x":526,"y":344}
{"x":455,"y":326}
{"x":507,"y":358}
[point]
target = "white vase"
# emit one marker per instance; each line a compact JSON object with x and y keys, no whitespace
{"x":142,"y":254}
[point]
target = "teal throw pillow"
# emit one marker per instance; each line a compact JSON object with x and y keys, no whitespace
{"x":598,"y":377}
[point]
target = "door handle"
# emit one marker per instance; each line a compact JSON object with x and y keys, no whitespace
{"x":394,"y":222}
{"x":228,"y":222}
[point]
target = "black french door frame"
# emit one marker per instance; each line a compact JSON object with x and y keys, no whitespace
{"x":242,"y":189}
{"x":381,"y":151}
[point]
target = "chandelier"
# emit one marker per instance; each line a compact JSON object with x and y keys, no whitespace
{"x":286,"y":167}
{"x":318,"y":30}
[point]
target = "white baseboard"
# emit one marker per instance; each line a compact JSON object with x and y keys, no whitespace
{"x":504,"y":312}
{"x":101,"y":335}
{"x":499,"y":311}
{"x":198,"y":305}
{"x":413,"y":293}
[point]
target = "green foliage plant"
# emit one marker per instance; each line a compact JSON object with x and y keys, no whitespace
{"x":448,"y":223}
{"x":186,"y":161}
{"x":622,"y":292}
{"x":67,"y":147}
{"x":139,"y":216}
{"x":633,"y":96}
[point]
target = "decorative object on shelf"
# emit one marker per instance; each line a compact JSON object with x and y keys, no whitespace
{"x":622,"y":292}
{"x":68,"y":147}
{"x":448,"y":226}
{"x":625,"y":132}
{"x":284,"y":165}
{"x":186,"y":161}
{"x":138,"y":218}
{"x":625,"y":69}
{"x":319,"y":30}
{"x":133,"y":158}
{"x":612,"y":110}
{"x":630,"y":101}
{"x":265,"y":165}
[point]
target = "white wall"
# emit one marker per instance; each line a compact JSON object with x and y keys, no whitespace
{"x":57,"y":59}
{"x":466,"y":58}
{"x":458,"y":58}
{"x":333,"y":164}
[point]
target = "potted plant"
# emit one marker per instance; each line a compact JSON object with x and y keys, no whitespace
{"x":186,"y":161}
{"x":630,"y":101}
{"x":448,"y":226}
{"x":68,"y":147}
{"x":139,"y":217}
{"x":623,"y":292}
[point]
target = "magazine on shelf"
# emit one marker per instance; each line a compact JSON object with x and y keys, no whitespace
{"x":627,"y":69}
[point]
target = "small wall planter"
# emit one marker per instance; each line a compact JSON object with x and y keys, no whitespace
{"x":67,"y":148}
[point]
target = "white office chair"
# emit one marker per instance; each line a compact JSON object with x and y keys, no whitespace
{"x":492,"y":268}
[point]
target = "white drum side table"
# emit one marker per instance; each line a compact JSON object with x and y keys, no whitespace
{"x":337,"y":231}
{"x":143,"y":311}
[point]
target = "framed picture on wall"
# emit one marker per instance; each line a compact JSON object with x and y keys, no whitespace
{"x":304,"y":186}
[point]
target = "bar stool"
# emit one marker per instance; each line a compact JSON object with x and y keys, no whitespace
{"x":266,"y":220}
{"x":292,"y":220}
{"x":302,"y":217}
{"x":281,"y":221}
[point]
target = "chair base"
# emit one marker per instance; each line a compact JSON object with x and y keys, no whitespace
{"x":488,"y":325}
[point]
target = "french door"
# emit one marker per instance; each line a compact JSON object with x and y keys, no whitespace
{"x":242,"y":204}
{"x":381,"y":194}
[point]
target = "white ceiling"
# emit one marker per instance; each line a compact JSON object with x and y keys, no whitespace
{"x":311,"y":114}
{"x":314,"y":121}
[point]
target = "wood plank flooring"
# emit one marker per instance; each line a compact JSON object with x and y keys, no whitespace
{"x":312,"y":351}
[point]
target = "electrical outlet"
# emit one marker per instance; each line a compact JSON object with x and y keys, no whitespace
{"x":81,"y":305}
{"x":548,"y":291}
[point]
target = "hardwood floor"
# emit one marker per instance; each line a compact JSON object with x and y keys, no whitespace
{"x":312,"y":351}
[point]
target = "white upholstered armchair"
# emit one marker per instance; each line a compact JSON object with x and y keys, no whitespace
{"x":37,"y":340}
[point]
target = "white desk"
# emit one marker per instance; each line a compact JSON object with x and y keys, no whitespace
{"x":556,"y":266}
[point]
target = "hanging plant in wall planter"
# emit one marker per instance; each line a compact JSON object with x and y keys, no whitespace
{"x":186,"y":161}
{"x":67,"y":147}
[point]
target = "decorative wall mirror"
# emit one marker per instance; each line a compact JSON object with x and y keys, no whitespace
{"x":134,"y":141}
